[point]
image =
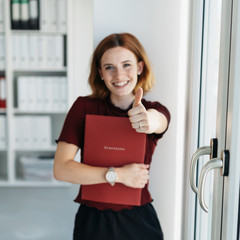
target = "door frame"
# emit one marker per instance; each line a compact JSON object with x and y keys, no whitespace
{"x":192,"y":119}
{"x":230,"y":213}
{"x":231,"y":183}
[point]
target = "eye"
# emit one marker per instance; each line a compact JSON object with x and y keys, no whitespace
{"x":125,"y":65}
{"x":109,"y":68}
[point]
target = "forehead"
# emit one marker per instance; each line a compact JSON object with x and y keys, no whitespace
{"x":118,"y":54}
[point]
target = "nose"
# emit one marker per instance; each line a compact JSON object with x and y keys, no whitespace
{"x":119,"y":73}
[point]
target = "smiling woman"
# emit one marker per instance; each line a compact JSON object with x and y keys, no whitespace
{"x":119,"y":77}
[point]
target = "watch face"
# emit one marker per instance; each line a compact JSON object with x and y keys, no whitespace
{"x":111,"y":176}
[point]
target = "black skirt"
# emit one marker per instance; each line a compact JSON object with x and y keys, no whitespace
{"x":139,"y":223}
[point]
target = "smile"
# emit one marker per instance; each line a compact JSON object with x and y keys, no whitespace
{"x":120,"y":84}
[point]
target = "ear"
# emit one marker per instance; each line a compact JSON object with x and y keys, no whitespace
{"x":140,"y":67}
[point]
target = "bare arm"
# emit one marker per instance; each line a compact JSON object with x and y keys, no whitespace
{"x":158,"y":121}
{"x":66,"y":169}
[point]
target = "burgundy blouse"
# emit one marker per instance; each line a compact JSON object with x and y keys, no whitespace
{"x":73,"y":132}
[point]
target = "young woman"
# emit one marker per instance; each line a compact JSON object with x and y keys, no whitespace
{"x":120,"y":74}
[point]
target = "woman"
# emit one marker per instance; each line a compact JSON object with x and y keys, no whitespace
{"x":120,"y":75}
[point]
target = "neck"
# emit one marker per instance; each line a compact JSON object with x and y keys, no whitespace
{"x":122,"y":102}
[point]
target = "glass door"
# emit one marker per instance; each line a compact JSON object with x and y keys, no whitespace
{"x":216,"y":196}
{"x":209,"y":14}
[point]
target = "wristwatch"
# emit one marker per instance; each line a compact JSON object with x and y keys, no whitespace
{"x":111,"y":176}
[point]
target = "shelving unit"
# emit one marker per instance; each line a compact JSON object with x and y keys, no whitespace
{"x":10,"y":154}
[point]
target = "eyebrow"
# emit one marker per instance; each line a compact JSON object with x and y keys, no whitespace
{"x":107,"y":64}
{"x":110,"y":64}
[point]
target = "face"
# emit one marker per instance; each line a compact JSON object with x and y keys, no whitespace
{"x":119,"y":70}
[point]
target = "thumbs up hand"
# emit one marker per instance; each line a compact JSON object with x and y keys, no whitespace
{"x":138,"y":115}
{"x":138,"y":97}
{"x":146,"y":121}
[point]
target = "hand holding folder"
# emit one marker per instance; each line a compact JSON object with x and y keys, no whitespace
{"x":134,"y":175}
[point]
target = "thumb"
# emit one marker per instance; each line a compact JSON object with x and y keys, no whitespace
{"x":138,"y":97}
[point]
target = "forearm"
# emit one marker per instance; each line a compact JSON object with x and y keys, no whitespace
{"x":132,"y":175}
{"x":66,"y":169}
{"x":79,"y":173}
{"x":158,"y":121}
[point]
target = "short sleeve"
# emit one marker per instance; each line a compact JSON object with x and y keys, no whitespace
{"x":73,"y":127}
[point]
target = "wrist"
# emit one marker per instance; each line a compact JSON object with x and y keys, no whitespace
{"x":118,"y":172}
{"x":111,"y":176}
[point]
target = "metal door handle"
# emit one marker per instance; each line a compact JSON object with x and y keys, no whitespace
{"x":214,"y":163}
{"x":206,"y":150}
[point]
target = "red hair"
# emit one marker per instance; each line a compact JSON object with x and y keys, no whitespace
{"x":130,"y":42}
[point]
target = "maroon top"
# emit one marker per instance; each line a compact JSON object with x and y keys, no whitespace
{"x":73,"y":132}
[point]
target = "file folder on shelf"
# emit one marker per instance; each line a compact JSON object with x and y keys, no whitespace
{"x":25,"y":14}
{"x":112,"y":142}
{"x":2,"y":92}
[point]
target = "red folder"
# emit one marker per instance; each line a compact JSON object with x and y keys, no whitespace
{"x":112,"y":142}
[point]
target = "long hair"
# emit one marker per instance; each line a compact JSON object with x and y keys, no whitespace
{"x":130,"y":42}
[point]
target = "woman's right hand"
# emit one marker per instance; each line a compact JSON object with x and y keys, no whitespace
{"x":133,"y":175}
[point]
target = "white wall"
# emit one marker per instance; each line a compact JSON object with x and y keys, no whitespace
{"x":162,"y":28}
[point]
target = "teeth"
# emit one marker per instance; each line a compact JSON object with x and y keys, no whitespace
{"x":120,"y":84}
